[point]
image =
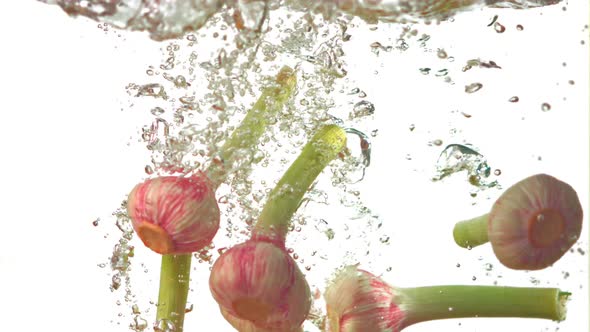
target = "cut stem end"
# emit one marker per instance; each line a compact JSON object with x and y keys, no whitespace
{"x":155,"y":238}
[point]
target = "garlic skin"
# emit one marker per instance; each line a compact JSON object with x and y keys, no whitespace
{"x":247,"y":326}
{"x":357,"y":300}
{"x":174,"y":215}
{"x":259,"y":286}
{"x":535,"y":222}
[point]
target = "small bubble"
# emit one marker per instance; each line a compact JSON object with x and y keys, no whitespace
{"x":388,"y":269}
{"x":354,"y":91}
{"x":473,"y":87}
{"x":441,"y":53}
{"x":412,"y":127}
{"x":545,"y":107}
{"x":519,"y":27}
{"x":493,"y":20}
{"x":329,"y":233}
{"x":157,"y":111}
{"x":437,"y":142}
{"x":473,"y":278}
{"x":458,"y":265}
{"x":425,"y":71}
{"x":362,"y":108}
{"x":450,"y":308}
{"x":148,"y":170}
{"x":135,"y":309}
{"x":497,"y":172}
{"x":115,"y":282}
{"x":499,"y":28}
{"x":488,"y":267}
{"x":571,"y":82}
{"x":139,"y":324}
{"x":514,"y":99}
{"x":442,"y":72}
{"x":95,"y":222}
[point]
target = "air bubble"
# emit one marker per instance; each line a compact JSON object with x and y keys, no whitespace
{"x":473,"y":87}
{"x":139,"y":324}
{"x":157,"y":111}
{"x":115,"y":282}
{"x":499,"y":28}
{"x":362,"y":109}
{"x":425,"y":71}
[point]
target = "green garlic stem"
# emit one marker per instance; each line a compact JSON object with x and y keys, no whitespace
{"x":285,"y":198}
{"x":174,"y":284}
{"x":472,"y":233}
{"x":422,"y":304}
{"x":245,"y":137}
{"x":175,"y":270}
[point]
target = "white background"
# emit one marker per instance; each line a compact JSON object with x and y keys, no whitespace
{"x":68,"y":157}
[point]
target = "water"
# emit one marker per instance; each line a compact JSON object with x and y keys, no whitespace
{"x":195,"y":95}
{"x":457,"y":158}
{"x":172,"y":19}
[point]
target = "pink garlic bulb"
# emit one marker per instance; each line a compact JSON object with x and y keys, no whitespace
{"x":357,"y":300}
{"x":174,"y":215}
{"x":259,"y":287}
{"x":535,"y":222}
{"x":247,"y":326}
